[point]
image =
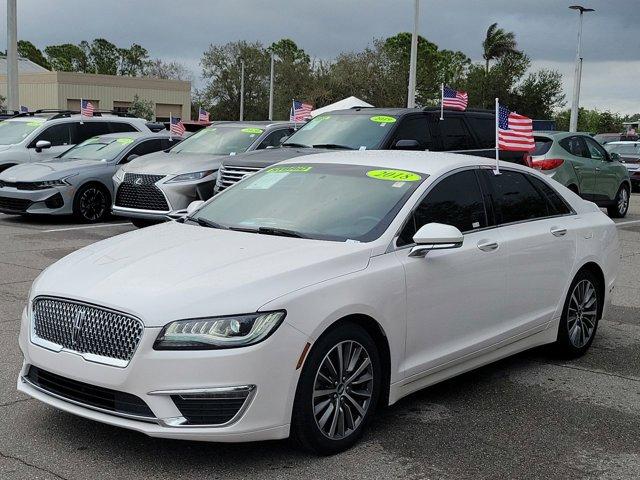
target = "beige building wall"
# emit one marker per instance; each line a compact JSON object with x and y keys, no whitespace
{"x":61,"y":90}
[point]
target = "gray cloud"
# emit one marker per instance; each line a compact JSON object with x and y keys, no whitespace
{"x":545,"y":29}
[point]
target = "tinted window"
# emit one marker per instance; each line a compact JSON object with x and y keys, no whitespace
{"x":514,"y":197}
{"x":557,"y":206}
{"x":117,"y":127}
{"x":455,"y":200}
{"x":88,"y":130}
{"x":148,"y":146}
{"x":414,"y":128}
{"x":274,"y":138}
{"x":61,"y":134}
{"x":595,"y":150}
{"x":455,"y":135}
{"x":485,"y":130}
{"x":575,"y":146}
{"x":543,"y":145}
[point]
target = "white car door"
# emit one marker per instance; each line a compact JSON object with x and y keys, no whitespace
{"x":538,"y":234}
{"x":60,"y":135}
{"x":455,"y":297}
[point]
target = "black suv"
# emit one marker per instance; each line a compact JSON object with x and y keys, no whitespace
{"x":470,"y":132}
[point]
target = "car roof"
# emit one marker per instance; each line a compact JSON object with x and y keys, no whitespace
{"x":248,"y":123}
{"x":395,"y":111}
{"x":429,"y":163}
{"x":134,"y":135}
{"x":625,"y":142}
{"x":558,"y":134}
{"x":52,"y":118}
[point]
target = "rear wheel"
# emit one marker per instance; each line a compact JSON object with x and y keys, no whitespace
{"x":338,"y":391}
{"x":621,"y":206}
{"x":92,"y":203}
{"x":579,"y":321}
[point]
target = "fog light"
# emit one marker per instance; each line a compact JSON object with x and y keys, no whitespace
{"x":54,"y":201}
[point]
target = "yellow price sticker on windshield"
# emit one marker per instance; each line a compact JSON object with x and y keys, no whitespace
{"x":125,"y":141}
{"x":383,"y":119}
{"x":34,"y":124}
{"x":291,"y":169}
{"x":255,"y":131}
{"x":394,"y":175}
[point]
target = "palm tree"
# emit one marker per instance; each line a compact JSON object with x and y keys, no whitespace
{"x":497,"y":44}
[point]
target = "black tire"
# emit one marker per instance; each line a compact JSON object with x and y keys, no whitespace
{"x":569,"y":343}
{"x":92,"y":203}
{"x":621,"y":206}
{"x":142,"y":223}
{"x":305,"y":429}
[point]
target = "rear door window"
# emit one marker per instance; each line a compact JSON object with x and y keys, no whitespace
{"x":575,"y":146}
{"x":454,"y":134}
{"x":88,"y":130}
{"x":485,"y":129}
{"x":118,"y":127}
{"x":557,"y":205}
{"x":514,"y":197}
{"x":414,"y":128}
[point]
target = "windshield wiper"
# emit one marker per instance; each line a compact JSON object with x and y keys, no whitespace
{"x":203,"y":222}
{"x":293,"y":144}
{"x":282,"y":232}
{"x":333,"y":146}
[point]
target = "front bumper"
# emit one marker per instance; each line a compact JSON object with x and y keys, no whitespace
{"x":152,"y":376}
{"x":50,"y":201}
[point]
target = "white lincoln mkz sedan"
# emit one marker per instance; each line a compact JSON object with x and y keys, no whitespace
{"x":304,"y":296}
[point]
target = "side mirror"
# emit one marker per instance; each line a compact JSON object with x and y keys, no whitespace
{"x":133,"y":156}
{"x":435,"y":236}
{"x":615,"y":157}
{"x":407,"y":145}
{"x":193,"y":206}
{"x":42,"y":144}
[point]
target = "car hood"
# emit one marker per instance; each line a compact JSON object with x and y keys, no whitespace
{"x":53,"y":170}
{"x":163,"y":163}
{"x":173,"y":271}
{"x":264,"y":158}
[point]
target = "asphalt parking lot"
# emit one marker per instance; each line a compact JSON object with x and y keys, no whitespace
{"x":528,"y":417}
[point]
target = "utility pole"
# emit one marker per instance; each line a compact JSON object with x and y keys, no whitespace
{"x":271,"y":88}
{"x":411,"y":97}
{"x":575,"y":102}
{"x":13,"y":95}
{"x":241,"y":90}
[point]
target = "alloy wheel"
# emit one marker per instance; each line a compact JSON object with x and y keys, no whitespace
{"x":582,"y":313}
{"x":343,"y":389}
{"x":93,"y":204}
{"x":623,"y":201}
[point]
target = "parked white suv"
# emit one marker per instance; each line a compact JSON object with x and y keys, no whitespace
{"x":45,"y":134}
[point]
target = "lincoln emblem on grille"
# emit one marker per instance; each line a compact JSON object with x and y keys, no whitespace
{"x":78,"y":320}
{"x":137,"y":181}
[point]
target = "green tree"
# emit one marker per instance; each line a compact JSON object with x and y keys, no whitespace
{"x":497,"y":43}
{"x":166,"y":70}
{"x":592,"y":121}
{"x":2,"y":104}
{"x":293,"y":76}
{"x":103,"y":56}
{"x":501,"y":82}
{"x":142,"y":108}
{"x":67,"y":57}
{"x":133,"y":60}
{"x":28,"y":50}
{"x":539,"y":95}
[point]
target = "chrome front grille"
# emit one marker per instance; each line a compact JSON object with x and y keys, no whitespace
{"x":140,"y":192}
{"x":228,"y":175}
{"x":98,"y":334}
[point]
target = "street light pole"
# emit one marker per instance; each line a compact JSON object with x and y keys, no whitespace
{"x":241,"y":90}
{"x":411,"y":97}
{"x":13,"y":93}
{"x":271,"y":89}
{"x":575,"y":103}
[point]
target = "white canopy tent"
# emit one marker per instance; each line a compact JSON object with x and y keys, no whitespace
{"x":349,"y":102}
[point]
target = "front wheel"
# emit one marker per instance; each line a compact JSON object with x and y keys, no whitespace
{"x":338,"y":390}
{"x":621,"y":206}
{"x":91,"y":203}
{"x":579,"y":320}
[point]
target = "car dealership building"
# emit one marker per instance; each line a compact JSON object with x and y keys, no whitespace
{"x":41,"y":88}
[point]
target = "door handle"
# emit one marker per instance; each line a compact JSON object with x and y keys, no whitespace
{"x":597,"y":169}
{"x":577,"y":167}
{"x":558,"y":231}
{"x":487,"y":245}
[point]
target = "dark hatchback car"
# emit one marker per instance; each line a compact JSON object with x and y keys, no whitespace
{"x":470,"y":132}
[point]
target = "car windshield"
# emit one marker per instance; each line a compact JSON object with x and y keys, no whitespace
{"x":219,"y":140}
{"x":624,"y":149}
{"x":97,"y":148}
{"x":350,"y":131}
{"x":320,"y":201}
{"x":14,"y":131}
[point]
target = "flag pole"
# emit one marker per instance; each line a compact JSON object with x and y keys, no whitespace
{"x":170,"y":129}
{"x":497,"y":170}
{"x":442,"y":101}
{"x":81,"y":122}
{"x":293,"y":113}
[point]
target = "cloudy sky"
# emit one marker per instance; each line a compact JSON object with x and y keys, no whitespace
{"x":546,"y":30}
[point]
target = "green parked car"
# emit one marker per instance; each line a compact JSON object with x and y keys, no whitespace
{"x":580,"y":163}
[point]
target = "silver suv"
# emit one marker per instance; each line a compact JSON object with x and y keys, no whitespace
{"x":44,"y":134}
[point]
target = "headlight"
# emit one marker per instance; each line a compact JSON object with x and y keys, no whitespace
{"x":62,"y":182}
{"x":119,"y":176}
{"x":188,"y":177}
{"x":218,"y":332}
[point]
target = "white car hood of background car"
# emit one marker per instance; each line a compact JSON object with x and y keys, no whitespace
{"x":175,"y":271}
{"x":32,"y":172}
{"x":163,"y":163}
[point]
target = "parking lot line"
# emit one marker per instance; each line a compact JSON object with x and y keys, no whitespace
{"x":84,"y":227}
{"x":630,"y":222}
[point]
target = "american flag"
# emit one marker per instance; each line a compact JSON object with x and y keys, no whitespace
{"x":203,"y":115}
{"x":86,"y":108}
{"x":176,"y":127}
{"x":24,"y":109}
{"x":300,"y":111}
{"x":454,"y":99}
{"x":515,"y":132}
